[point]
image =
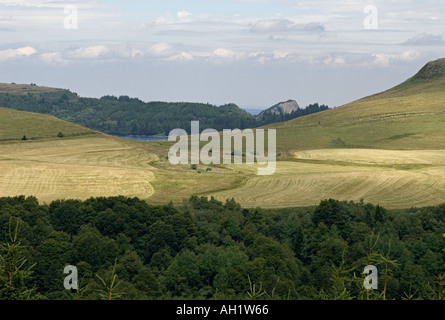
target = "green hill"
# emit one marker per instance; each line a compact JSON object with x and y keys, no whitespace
{"x":130,"y":116}
{"x":60,"y":160}
{"x":81,"y":163}
{"x":14,"y":125}
{"x":388,"y":148}
{"x":408,"y":116}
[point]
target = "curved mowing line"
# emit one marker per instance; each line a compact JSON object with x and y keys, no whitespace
{"x":389,"y":187}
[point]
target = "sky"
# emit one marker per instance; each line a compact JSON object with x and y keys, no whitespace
{"x":254,"y":53}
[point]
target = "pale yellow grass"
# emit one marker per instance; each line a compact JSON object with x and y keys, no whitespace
{"x":394,"y":179}
{"x":75,"y":168}
{"x":375,"y":156}
{"x":102,"y":166}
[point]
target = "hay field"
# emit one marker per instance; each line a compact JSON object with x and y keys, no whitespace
{"x":104,"y":166}
{"x":96,"y":166}
{"x":75,"y":168}
{"x":394,"y":179}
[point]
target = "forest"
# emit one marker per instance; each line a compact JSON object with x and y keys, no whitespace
{"x":126,"y":248}
{"x":116,"y":115}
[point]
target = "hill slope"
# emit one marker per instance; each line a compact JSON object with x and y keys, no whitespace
{"x":387,"y":148}
{"x":16,"y":124}
{"x":80,"y":163}
{"x":85,"y":163}
{"x":408,"y":116}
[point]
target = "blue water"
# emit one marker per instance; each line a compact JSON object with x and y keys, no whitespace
{"x":144,"y":138}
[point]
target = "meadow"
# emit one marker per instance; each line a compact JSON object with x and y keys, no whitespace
{"x":74,"y":168}
{"x":392,"y":178}
{"x":409,"y":116}
{"x":85,"y":163}
{"x":386,"y":149}
{"x":93,"y":165}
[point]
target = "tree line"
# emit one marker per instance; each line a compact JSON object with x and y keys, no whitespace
{"x":124,"y":115}
{"x":126,"y":248}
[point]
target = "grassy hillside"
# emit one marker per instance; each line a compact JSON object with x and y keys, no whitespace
{"x":387,"y":149}
{"x":409,"y":116}
{"x":80,"y":164}
{"x":85,"y":163}
{"x":16,"y":124}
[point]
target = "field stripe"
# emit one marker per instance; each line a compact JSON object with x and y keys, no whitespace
{"x":395,"y":179}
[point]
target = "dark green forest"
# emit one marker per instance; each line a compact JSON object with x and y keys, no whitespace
{"x":126,"y":248}
{"x":116,"y":115}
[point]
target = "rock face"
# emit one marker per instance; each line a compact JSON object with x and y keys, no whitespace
{"x":281,"y":108}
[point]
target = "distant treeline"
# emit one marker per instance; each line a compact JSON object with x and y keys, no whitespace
{"x":130,"y":116}
{"x":125,"y":248}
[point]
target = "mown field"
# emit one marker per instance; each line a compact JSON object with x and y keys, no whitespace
{"x":394,"y":179}
{"x":85,"y":167}
{"x":387,"y":149}
{"x":74,"y":168}
{"x":104,"y":166}
{"x":98,"y":165}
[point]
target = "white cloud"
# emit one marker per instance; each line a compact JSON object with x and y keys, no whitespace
{"x":425,"y":39}
{"x":280,"y":54}
{"x":52,"y":58}
{"x":255,"y":54}
{"x":12,"y":53}
{"x":181,"y":57}
{"x":334,"y":61}
{"x":162,"y":49}
{"x":126,"y":52}
{"x":409,"y":55}
{"x":96,"y":52}
{"x":224,"y":53}
{"x":91,"y":52}
{"x":164,"y":20}
{"x":183,"y":14}
{"x":284,"y":25}
{"x":384,"y":59}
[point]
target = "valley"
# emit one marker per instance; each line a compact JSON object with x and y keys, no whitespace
{"x":386,"y":149}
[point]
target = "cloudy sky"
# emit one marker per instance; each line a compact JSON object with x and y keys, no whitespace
{"x":254,"y":53}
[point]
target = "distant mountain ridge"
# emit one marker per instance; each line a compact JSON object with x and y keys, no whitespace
{"x":124,"y":115}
